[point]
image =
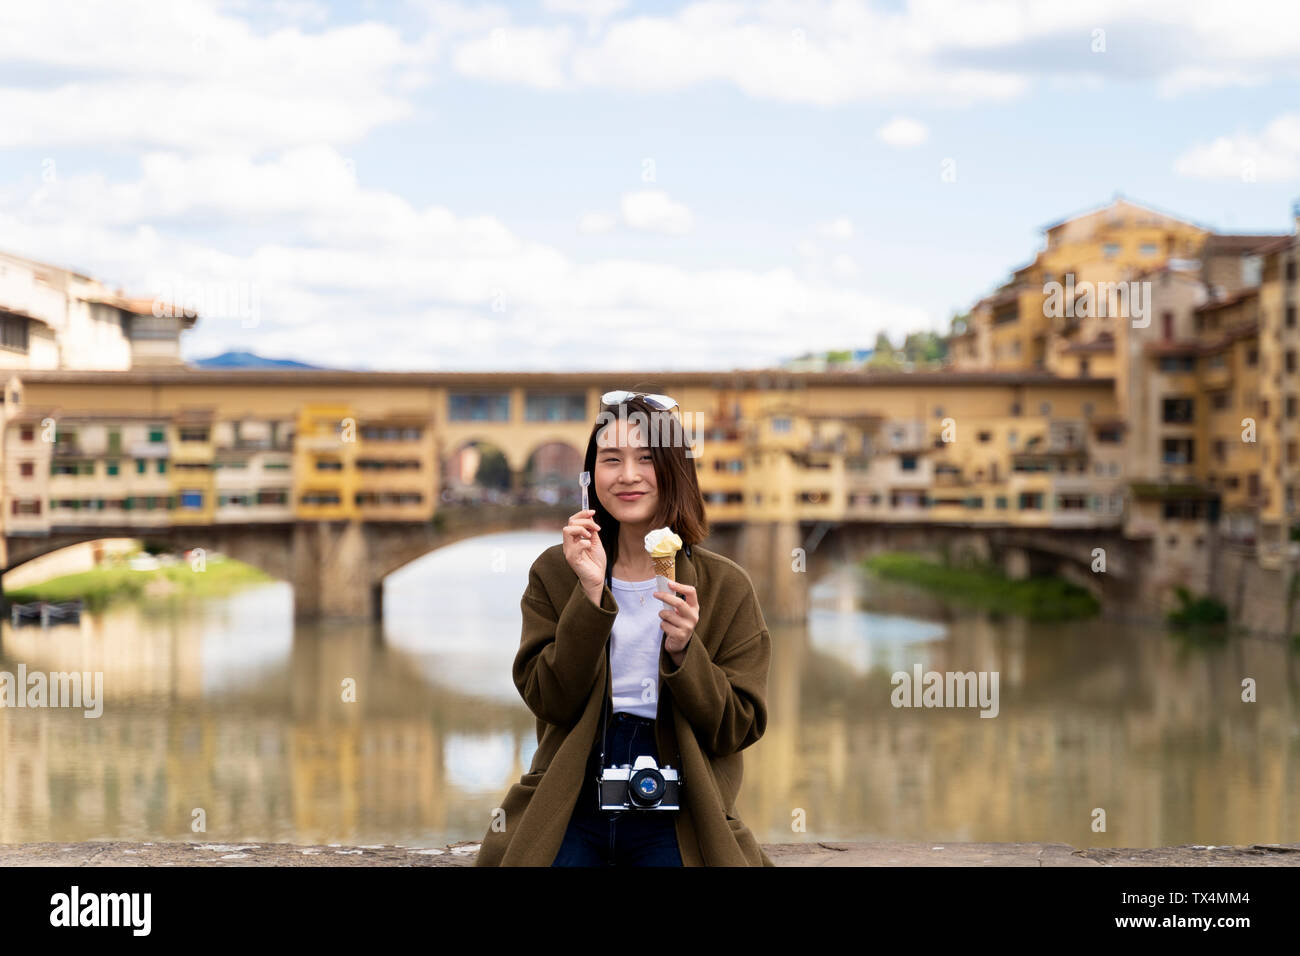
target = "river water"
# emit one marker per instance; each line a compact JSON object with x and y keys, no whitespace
{"x":224,"y":722}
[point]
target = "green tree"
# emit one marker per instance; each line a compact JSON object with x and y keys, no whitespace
{"x":924,"y":348}
{"x":884,"y":355}
{"x":493,"y":471}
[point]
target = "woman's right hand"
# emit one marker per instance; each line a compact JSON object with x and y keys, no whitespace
{"x":584,"y":551}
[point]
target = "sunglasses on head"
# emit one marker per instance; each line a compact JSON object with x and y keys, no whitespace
{"x":661,"y":402}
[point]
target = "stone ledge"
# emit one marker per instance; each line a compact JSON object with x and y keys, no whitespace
{"x":782,"y":854}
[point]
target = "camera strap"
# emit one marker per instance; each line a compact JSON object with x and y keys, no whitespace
{"x":608,"y":704}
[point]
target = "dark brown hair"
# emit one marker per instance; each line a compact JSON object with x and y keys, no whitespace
{"x":681,"y":506}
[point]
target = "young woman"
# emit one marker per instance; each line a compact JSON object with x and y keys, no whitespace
{"x":607,"y":668}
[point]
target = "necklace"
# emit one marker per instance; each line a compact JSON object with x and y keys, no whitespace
{"x":641,"y":597}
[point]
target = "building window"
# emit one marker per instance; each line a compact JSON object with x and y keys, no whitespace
{"x":162,"y":466}
{"x":780,"y":425}
{"x":1000,"y":502}
{"x":1178,"y":411}
{"x":1045,"y":409}
{"x":1178,"y":451}
{"x":1183,"y":509}
{"x":140,"y":465}
{"x":191,"y":499}
{"x":1148,"y":249}
{"x":1031,"y":501}
{"x":1178,"y":363}
{"x":319,"y":498}
{"x":13,"y":332}
{"x":27,"y":469}
{"x":907,"y":462}
{"x":985,"y":437}
{"x":1110,"y":250}
{"x":27,"y":433}
{"x":542,"y":407}
{"x":471,"y":407}
{"x":112,"y":468}
{"x":1290,"y":316}
{"x":157,"y":434}
{"x":192,"y":434}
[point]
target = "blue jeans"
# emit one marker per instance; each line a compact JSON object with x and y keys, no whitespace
{"x":598,"y":837}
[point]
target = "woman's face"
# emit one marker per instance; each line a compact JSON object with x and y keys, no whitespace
{"x":625,"y":474}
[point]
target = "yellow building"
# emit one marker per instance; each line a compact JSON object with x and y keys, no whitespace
{"x":324,"y":463}
{"x":192,"y":474}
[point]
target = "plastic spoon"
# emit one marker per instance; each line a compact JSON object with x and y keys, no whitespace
{"x":584,"y":479}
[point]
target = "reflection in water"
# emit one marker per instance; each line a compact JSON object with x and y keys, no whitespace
{"x":224,"y":705}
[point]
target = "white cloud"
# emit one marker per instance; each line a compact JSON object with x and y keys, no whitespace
{"x":449,"y":17}
{"x":532,"y":56}
{"x":592,"y":9}
{"x":831,"y":52}
{"x":903,"y":132}
{"x":357,"y":277}
{"x":1271,"y":156}
{"x":651,"y":210}
{"x":843,"y":267}
{"x":195,"y":78}
{"x":840,"y":228}
{"x":819,"y":53}
{"x":596,"y":222}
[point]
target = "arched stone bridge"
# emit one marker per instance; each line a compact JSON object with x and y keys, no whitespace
{"x":337,"y":568}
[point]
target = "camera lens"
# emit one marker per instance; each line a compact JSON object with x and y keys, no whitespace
{"x":646,"y":788}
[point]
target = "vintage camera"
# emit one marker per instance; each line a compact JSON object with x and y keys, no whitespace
{"x":642,"y":785}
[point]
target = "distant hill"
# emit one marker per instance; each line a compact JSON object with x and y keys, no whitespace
{"x":248,"y":360}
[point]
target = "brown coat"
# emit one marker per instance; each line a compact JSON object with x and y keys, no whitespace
{"x":710,"y":709}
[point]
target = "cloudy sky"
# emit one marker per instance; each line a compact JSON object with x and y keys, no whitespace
{"x":583,"y":184}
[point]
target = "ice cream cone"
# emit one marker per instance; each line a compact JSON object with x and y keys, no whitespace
{"x":663,"y":546}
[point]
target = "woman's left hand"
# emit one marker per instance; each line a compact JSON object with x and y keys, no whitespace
{"x":679,"y":619}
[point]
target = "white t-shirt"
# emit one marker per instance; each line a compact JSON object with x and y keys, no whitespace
{"x":634,"y":653}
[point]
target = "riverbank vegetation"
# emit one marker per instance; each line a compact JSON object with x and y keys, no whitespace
{"x":1039,"y":599}
{"x":108,"y":583}
{"x":1203,"y":611}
